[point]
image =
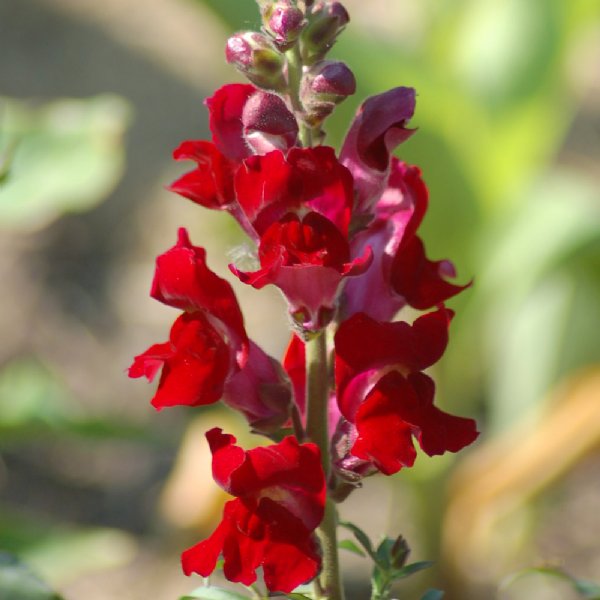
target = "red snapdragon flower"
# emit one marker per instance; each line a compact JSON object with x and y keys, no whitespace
{"x":272,"y":185}
{"x":382,"y":392}
{"x":280,"y":500}
{"x":378,"y":127}
{"x":307,"y":260}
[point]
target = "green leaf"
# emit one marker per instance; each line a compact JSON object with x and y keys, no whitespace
{"x":383,"y":553}
{"x":296,"y":596}
{"x":361,"y":536}
{"x":210,"y":592}
{"x":68,"y":155}
{"x":351,"y":547}
{"x":433,"y":595}
{"x":411,"y":569}
{"x":18,"y":582}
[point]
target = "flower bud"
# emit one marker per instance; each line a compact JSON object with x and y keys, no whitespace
{"x":283,"y":22}
{"x":325,"y":85}
{"x":268,"y":124}
{"x":326,"y":22}
{"x":254,"y":56}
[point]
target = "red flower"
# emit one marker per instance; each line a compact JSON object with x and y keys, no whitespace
{"x":307,"y":259}
{"x":381,"y":391}
{"x":378,"y":127}
{"x":183,"y":280}
{"x":280,"y":499}
{"x":398,"y":213}
{"x":271,"y":185}
{"x":208,"y":343}
{"x":195,"y":363}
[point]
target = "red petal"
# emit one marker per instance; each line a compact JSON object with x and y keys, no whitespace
{"x":420,"y":280}
{"x":225,"y":109}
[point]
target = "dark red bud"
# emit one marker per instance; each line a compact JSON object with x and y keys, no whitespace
{"x":284,"y":22}
{"x":268,"y":123}
{"x":324,"y":86}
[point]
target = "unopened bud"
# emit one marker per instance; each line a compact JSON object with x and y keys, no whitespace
{"x":399,"y":553}
{"x":254,"y":56}
{"x":268,"y":124}
{"x":283,"y":22}
{"x":325,"y":85}
{"x":326,"y":22}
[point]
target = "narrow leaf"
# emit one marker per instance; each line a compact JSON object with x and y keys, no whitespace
{"x":351,"y":547}
{"x":296,"y":596}
{"x":361,"y":536}
{"x":410,"y":569}
{"x":433,"y":595}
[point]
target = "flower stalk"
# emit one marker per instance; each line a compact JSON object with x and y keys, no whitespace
{"x":317,"y":388}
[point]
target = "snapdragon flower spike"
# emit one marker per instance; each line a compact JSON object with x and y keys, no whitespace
{"x":378,"y":127}
{"x":280,"y":500}
{"x":398,"y":213}
{"x":270,"y":186}
{"x":380,"y":388}
{"x":307,"y":260}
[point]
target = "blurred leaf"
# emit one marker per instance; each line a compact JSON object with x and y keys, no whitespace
{"x":361,"y":537}
{"x":528,"y":289}
{"x":213,"y":593}
{"x":68,"y":156}
{"x":295,"y":596}
{"x":433,"y":595}
{"x":61,"y":552}
{"x":411,"y":569}
{"x":34,"y":403}
{"x":587,"y":589}
{"x":351,"y":547}
{"x":19,"y":582}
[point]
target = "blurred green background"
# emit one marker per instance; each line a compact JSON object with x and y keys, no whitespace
{"x":95,"y":96}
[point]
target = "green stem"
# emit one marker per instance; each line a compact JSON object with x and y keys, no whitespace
{"x":294,"y":63}
{"x":317,"y":387}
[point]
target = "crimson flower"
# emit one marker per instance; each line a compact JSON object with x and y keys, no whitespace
{"x":195,"y":363}
{"x":383,"y":394}
{"x":307,"y":260}
{"x":280,"y":499}
{"x":207,"y":343}
{"x":270,"y":186}
{"x":243,"y":120}
{"x":398,"y":213}
{"x":378,"y":127}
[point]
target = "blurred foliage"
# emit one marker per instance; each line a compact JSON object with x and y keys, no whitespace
{"x":18,"y":582}
{"x":64,"y":156}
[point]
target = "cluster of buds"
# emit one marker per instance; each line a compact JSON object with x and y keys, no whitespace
{"x":291,"y":37}
{"x":338,"y":235}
